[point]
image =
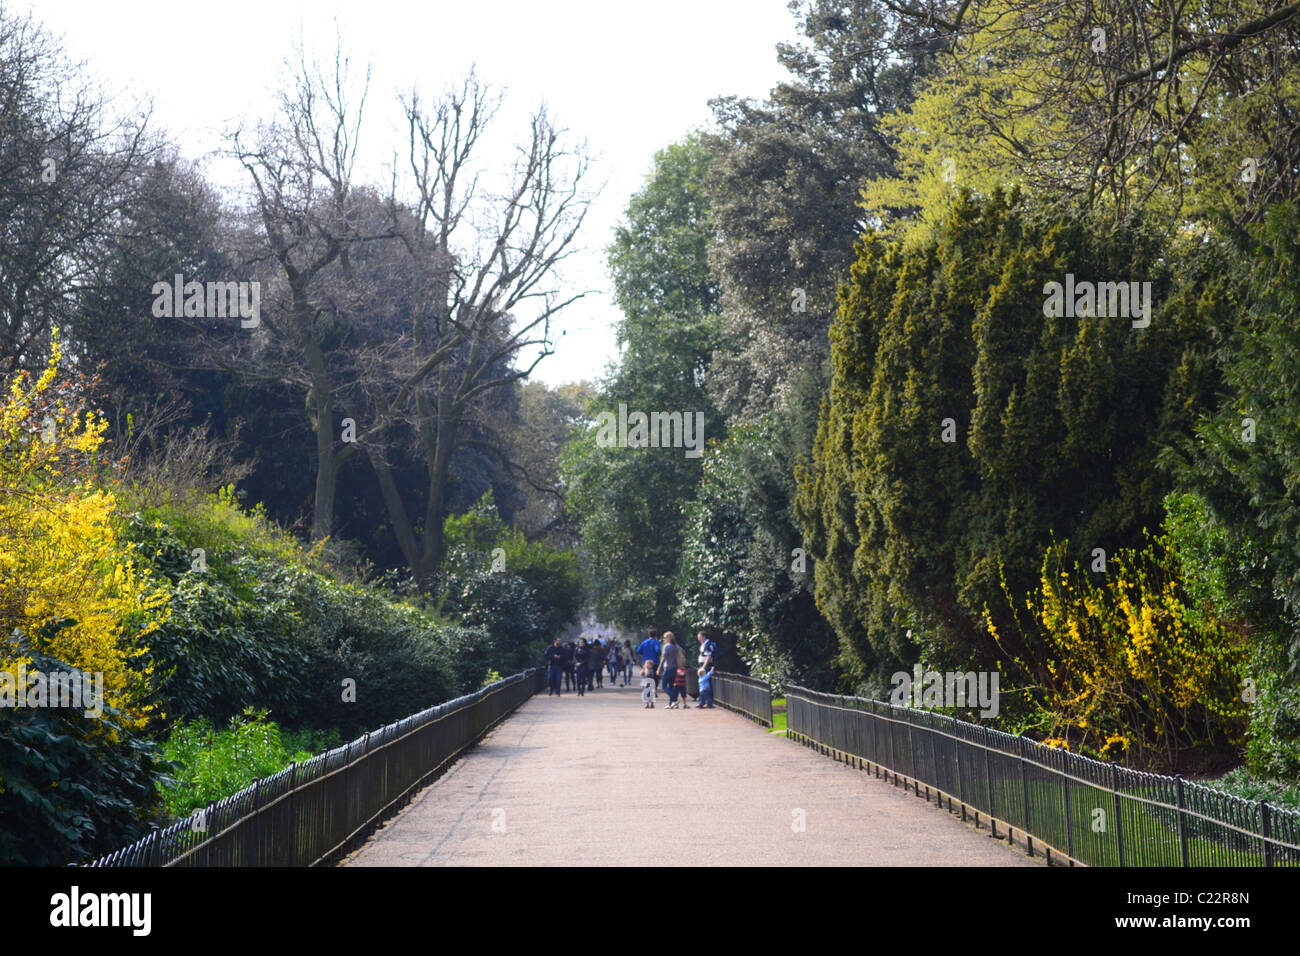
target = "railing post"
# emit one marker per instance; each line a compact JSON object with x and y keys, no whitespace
{"x":875,"y":727}
{"x":961,"y":789}
{"x":1182,"y":820}
{"x":988,"y":773}
{"x":1069,"y":823}
{"x":911,"y":755}
{"x":293,"y":816}
{"x":1119,"y":817}
{"x":1266,"y":829}
{"x":893,"y":759}
{"x":1024,"y":785}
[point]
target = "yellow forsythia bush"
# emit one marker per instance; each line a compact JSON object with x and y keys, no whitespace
{"x":1129,"y":666}
{"x":60,"y":557}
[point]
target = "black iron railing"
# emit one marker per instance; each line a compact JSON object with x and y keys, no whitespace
{"x":309,"y":813}
{"x":1076,"y":808}
{"x":745,"y":695}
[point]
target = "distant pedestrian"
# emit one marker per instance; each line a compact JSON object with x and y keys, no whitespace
{"x":672,"y":658}
{"x":649,"y":650}
{"x":612,"y":662}
{"x":629,"y":659}
{"x":708,"y":650}
{"x":597,"y":663}
{"x":581,"y":654}
{"x":647,"y":685}
{"x":554,"y":667}
{"x":570,"y":681}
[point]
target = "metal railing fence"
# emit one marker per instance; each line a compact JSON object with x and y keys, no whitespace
{"x":1084,"y":810}
{"x":745,"y":695}
{"x":309,"y":812}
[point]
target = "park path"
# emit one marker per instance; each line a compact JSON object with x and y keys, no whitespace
{"x":601,"y":781}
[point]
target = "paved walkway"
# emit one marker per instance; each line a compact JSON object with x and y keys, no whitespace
{"x":566,"y":780}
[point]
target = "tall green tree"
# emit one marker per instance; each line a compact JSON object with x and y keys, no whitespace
{"x":744,"y":570}
{"x":783,"y":192}
{"x":965,"y":427}
{"x":630,"y":502}
{"x":1246,"y":455}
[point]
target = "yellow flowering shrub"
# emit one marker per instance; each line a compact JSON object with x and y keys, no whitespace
{"x":1129,"y":665}
{"x":61,"y":560}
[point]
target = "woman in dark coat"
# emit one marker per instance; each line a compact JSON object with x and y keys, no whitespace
{"x":581,"y":660}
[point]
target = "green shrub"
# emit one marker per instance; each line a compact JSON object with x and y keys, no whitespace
{"x":1273,"y":747}
{"x":257,"y":623}
{"x":1240,"y":783}
{"x":499,"y":603}
{"x":209,"y":764}
{"x":71,"y":787}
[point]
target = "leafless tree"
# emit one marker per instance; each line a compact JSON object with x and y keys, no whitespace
{"x":310,"y":215}
{"x":488,"y":260}
{"x":67,"y":170}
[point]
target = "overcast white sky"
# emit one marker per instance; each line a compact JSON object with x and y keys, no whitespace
{"x":628,"y":77}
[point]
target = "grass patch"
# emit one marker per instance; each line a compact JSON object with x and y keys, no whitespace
{"x":778,"y":716}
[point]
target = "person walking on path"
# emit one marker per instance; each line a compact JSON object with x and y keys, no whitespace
{"x":597,"y":663}
{"x":570,"y":681}
{"x":670,"y":659}
{"x":580,"y":655}
{"x":613,"y":661}
{"x":647,"y":685}
{"x":629,"y":659}
{"x":554,"y":667}
{"x":649,"y":650}
{"x":708,"y":650}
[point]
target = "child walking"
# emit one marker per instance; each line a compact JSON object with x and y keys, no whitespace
{"x":647,"y":684}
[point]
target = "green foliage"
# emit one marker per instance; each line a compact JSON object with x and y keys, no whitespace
{"x":1240,"y":783}
{"x":256,"y":624}
{"x":1273,"y":748}
{"x":1250,"y":484}
{"x":740,"y":571}
{"x":1243,"y":522}
{"x":659,"y":257}
{"x":1057,"y":421}
{"x":71,"y":787}
{"x":1025,"y":86}
{"x":629,"y":502}
{"x":521,"y":592}
{"x":209,"y":764}
{"x":783,"y":193}
{"x":498,"y":604}
{"x":547,"y":419}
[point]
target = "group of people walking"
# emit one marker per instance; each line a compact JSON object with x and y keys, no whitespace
{"x":581,"y":666}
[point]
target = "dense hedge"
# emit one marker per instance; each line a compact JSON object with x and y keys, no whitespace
{"x":965,"y":427}
{"x":253,"y":624}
